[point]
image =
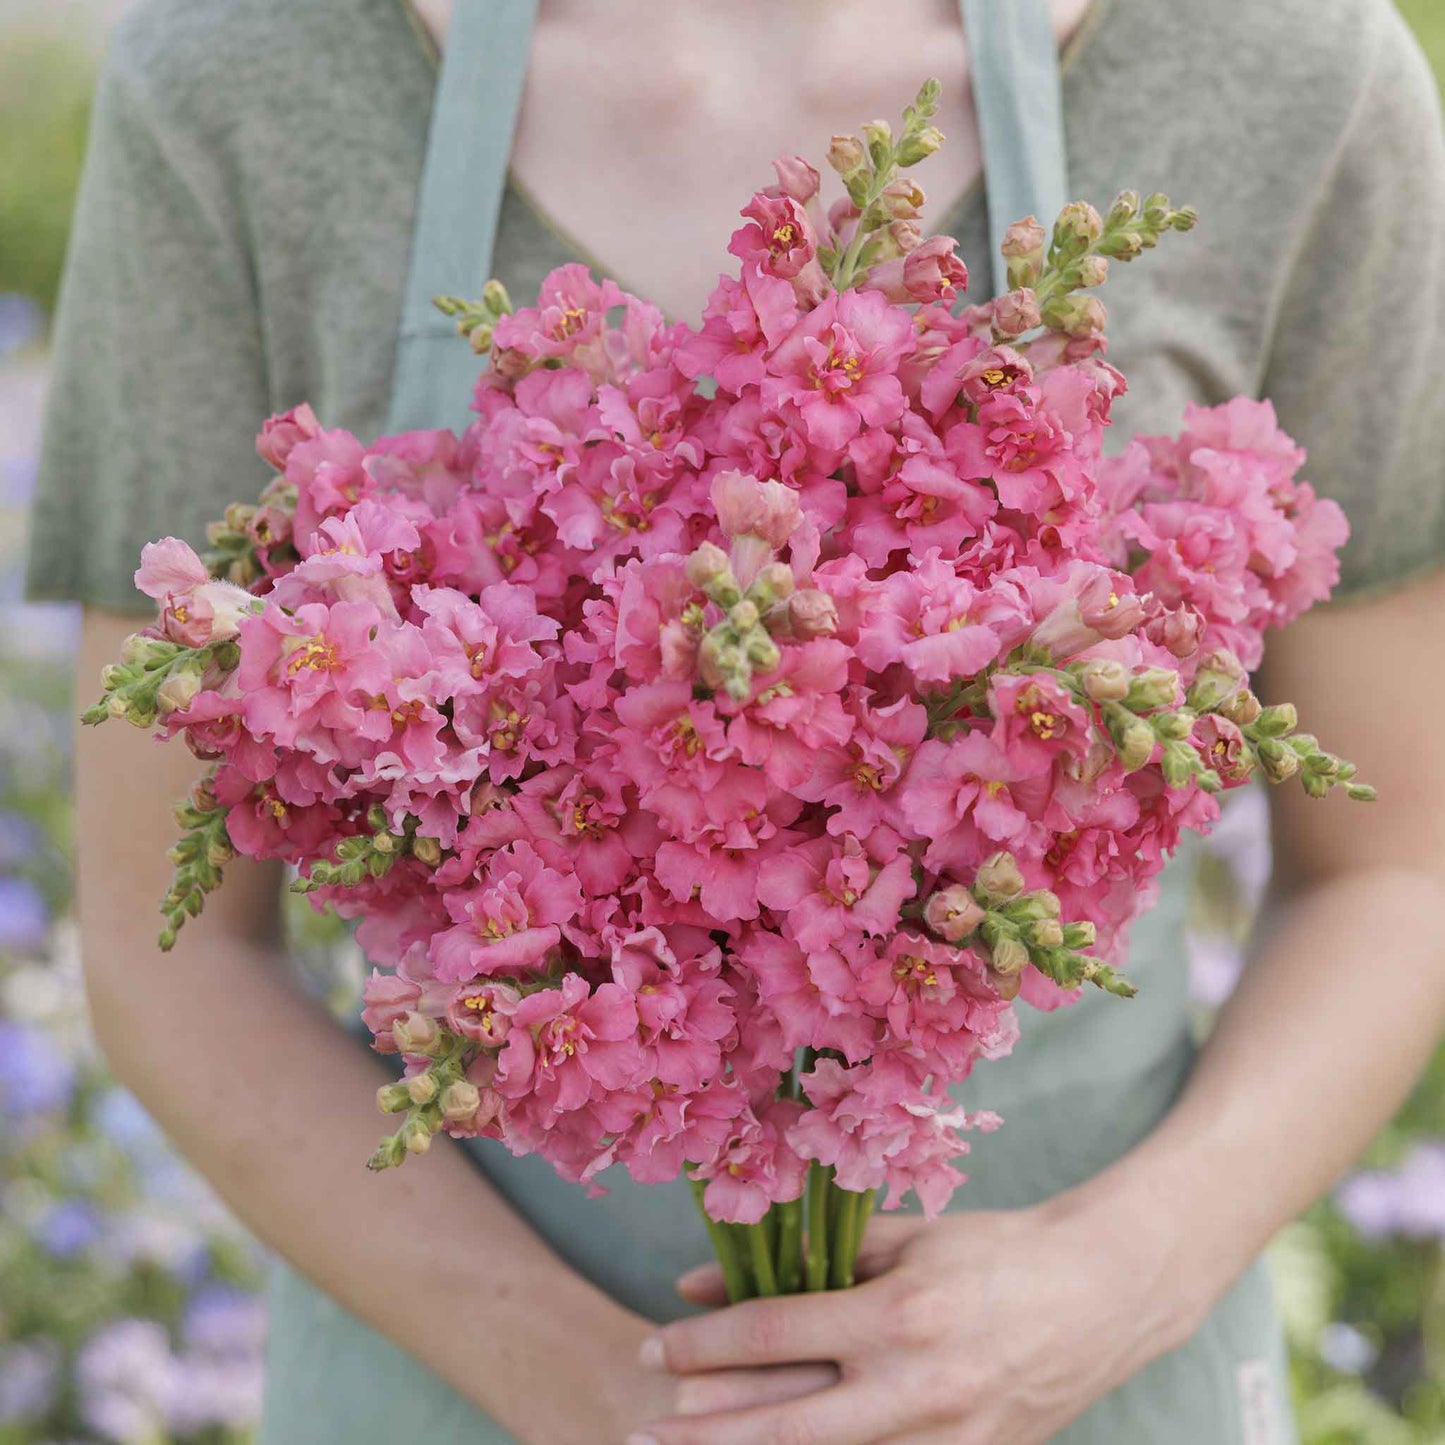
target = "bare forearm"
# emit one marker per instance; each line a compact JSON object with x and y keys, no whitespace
{"x":272,"y":1103}
{"x":1330,"y":1027}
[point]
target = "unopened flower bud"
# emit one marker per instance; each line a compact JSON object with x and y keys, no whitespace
{"x":1093,"y":271}
{"x":1173,"y":726}
{"x":461,"y":1102}
{"x":1016,"y":312}
{"x":219,"y":853}
{"x":1009,"y":956}
{"x":902,"y":200}
{"x":1178,"y":629}
{"x":1105,"y":679}
{"x":112,"y":676}
{"x":1133,"y":738}
{"x":1279,"y":762}
{"x":202,"y":798}
{"x":1078,"y":227}
{"x":1243,"y":708}
{"x":1276,"y":721}
{"x":1076,"y":315}
{"x":999,"y":879}
{"x":878,"y":135}
{"x":1154,"y":687}
{"x":393,"y":1098}
{"x":496,"y":299}
{"x":422,"y":1088}
{"x":1046,"y":933}
{"x":847,"y":156}
{"x":1024,"y":239}
{"x":953,"y":913}
{"x":707,"y":566}
{"x":1219,"y":676}
{"x":774,"y":583}
{"x":416,"y":1136}
{"x":417,"y":1033}
{"x":763,"y":652}
{"x":744,"y":615}
{"x":812,"y":613}
{"x":796,"y":178}
{"x":427,"y":851}
{"x":136,"y":648}
{"x":920,"y":145}
{"x":1006,"y":985}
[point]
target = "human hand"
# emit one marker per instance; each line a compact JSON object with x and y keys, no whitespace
{"x":976,"y":1329}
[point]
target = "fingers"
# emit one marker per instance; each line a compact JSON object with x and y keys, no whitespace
{"x":744,"y":1389}
{"x":786,"y":1330}
{"x":852,"y":1414}
{"x":885,"y":1237}
{"x":703,"y":1286}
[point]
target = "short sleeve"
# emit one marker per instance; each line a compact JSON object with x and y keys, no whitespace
{"x":158,"y":381}
{"x":1354,"y":367}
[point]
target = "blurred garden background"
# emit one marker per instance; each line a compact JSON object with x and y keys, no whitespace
{"x":129,"y":1307}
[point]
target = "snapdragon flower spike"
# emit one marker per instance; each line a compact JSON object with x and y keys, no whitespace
{"x":723,"y":734}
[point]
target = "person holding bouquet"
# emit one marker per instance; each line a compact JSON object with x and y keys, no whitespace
{"x":262,"y":180}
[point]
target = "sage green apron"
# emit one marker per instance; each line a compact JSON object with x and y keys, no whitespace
{"x":1083,"y":1086}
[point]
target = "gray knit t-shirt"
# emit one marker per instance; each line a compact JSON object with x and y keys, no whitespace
{"x":242,"y":237}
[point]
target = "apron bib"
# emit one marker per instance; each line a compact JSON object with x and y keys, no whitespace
{"x":1083,"y":1086}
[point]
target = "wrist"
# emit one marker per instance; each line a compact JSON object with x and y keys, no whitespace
{"x":1164,"y":1237}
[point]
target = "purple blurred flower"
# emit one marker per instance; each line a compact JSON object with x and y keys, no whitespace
{"x":17,"y":481}
{"x":35,"y":1077}
{"x":21,"y":321}
{"x":1342,"y":1347}
{"x":24,"y":918}
{"x":1408,"y":1200}
{"x":18,"y":840}
{"x":29,"y":1373}
{"x":71,"y":1226}
{"x":211,"y":1390}
{"x":124,"y":1379}
{"x":224,"y":1320}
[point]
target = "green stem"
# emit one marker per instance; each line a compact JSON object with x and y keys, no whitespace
{"x":790,"y":1246}
{"x":761,"y":1259}
{"x":819,"y":1177}
{"x":735,"y":1273}
{"x":845,"y":1233}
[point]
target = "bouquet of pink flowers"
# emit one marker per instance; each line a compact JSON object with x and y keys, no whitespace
{"x":717,"y":736}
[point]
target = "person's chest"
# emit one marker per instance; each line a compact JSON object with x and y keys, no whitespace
{"x":643,"y":128}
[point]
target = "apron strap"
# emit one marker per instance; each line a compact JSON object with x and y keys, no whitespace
{"x":1017,"y":96}
{"x":469,"y":145}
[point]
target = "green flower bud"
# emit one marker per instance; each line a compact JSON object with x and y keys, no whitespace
{"x":763,"y":652}
{"x":1241,"y":709}
{"x":427,"y":851}
{"x":422,"y":1088}
{"x":744,"y":615}
{"x":919,"y":145}
{"x":393,"y":1098}
{"x":1046,"y":933}
{"x":1009,"y":956}
{"x":496,"y":299}
{"x":1279,"y":762}
{"x":1154,"y":687}
{"x":1276,"y":721}
{"x":1132,"y":737}
{"x":1173,"y":727}
{"x":879,"y":136}
{"x":416,"y":1135}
